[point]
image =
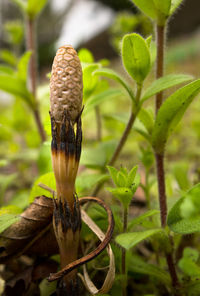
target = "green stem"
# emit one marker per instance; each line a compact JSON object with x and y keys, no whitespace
{"x":31,"y":45}
{"x":160,"y":34}
{"x":123,"y":256}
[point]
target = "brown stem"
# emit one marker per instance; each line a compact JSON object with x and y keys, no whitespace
{"x":124,"y":284}
{"x":31,"y":45}
{"x":161,"y":188}
{"x":97,"y":251}
{"x":160,"y":34}
{"x":99,"y":125}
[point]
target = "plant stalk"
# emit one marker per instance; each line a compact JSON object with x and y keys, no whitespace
{"x":31,"y":45}
{"x":160,"y":35}
{"x":123,"y":258}
{"x":160,"y":42}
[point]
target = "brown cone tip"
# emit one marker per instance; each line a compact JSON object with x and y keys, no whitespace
{"x":66,"y":84}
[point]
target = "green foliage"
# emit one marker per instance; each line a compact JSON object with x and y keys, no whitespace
{"x":46,"y":179}
{"x":86,"y":182}
{"x":31,"y":8}
{"x":15,"y":32}
{"x":164,"y":83}
{"x":138,"y":265}
{"x":171,"y":113}
{"x":184,"y":216}
{"x":188,"y":263}
{"x":175,"y":4}
{"x":142,"y":218}
{"x":136,"y":57}
{"x":113,"y":75}
{"x":101,"y":97}
{"x":131,"y":239}
{"x":6,"y":220}
{"x":126,"y":184}
{"x":8,"y":57}
{"x":181,"y":174}
{"x":147,"y":7}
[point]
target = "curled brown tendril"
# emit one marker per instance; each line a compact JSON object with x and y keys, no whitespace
{"x":94,"y":253}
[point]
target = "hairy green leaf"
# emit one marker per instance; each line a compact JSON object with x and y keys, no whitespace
{"x":175,"y":4}
{"x":88,"y":181}
{"x":131,"y":239}
{"x":163,"y":6}
{"x":139,"y":265}
{"x":34,"y":7}
{"x":141,"y":218}
{"x":164,"y":83}
{"x":146,"y":117}
{"x":136,"y":57}
{"x":147,"y":7}
{"x":115,"y":76}
{"x":85,"y":56}
{"x":184,"y":216}
{"x":171,"y":112}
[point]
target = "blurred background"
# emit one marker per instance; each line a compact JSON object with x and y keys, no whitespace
{"x":97,"y":25}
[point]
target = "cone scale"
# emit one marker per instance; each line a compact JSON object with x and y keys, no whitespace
{"x":66,"y":107}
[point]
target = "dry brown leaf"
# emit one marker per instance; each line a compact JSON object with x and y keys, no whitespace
{"x":32,"y":233}
{"x":107,"y":285}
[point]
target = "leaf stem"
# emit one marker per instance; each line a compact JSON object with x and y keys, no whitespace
{"x":123,"y":256}
{"x":160,"y":35}
{"x":31,"y":45}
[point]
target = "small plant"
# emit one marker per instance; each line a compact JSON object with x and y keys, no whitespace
{"x":152,"y":255}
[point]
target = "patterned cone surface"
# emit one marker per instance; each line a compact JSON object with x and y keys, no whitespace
{"x":66,"y":84}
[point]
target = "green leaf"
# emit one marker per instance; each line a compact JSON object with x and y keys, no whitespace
{"x":21,"y":4}
{"x":163,"y":6}
{"x":139,"y":265}
{"x":115,"y":76}
{"x":147,"y":7}
{"x":23,"y":65}
{"x":171,"y":112}
{"x":47,"y":288}
{"x":113,"y":173}
{"x":46,"y":179}
{"x":15,"y":86}
{"x":34,"y":7}
{"x":136,"y":57}
{"x":124,"y":194}
{"x":8,"y":57}
{"x":6,"y":70}
{"x":141,"y":218}
{"x":89,"y":80}
{"x":131,"y":239}
{"x":164,"y":83}
{"x":88,"y":181}
{"x":131,"y":176}
{"x":181,"y":174}
{"x":175,"y":4}
{"x":184,"y":216}
{"x":6,"y":220}
{"x":99,"y":155}
{"x":97,"y":99}
{"x":85,"y":56}
{"x":146,"y":117}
